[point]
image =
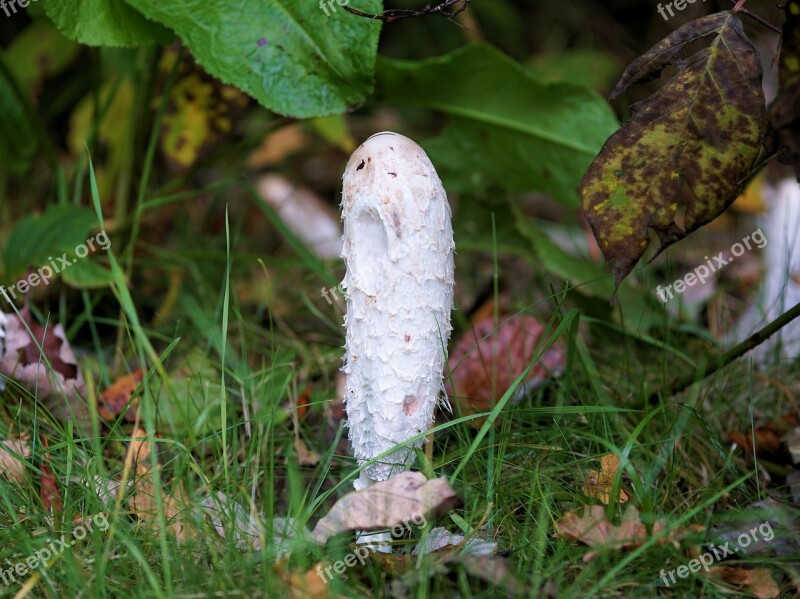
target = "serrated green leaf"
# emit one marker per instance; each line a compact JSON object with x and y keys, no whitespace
{"x":690,"y":147}
{"x":104,"y":23}
{"x":288,"y":55}
{"x":506,"y":127}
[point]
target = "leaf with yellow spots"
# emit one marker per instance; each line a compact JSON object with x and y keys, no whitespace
{"x":599,"y":484}
{"x":199,"y":112}
{"x":688,"y":149}
{"x":784,"y":112}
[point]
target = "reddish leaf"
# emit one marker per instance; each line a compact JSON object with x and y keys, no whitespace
{"x":483,"y":356}
{"x":51,"y":498}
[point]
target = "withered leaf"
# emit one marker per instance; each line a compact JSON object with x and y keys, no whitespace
{"x":599,"y":484}
{"x":784,"y":112}
{"x":61,"y":388}
{"x":13,"y":454}
{"x":117,"y":397}
{"x":688,"y":149}
{"x":594,"y":529}
{"x":405,"y":498}
{"x":758,"y":581}
{"x":487,"y":359}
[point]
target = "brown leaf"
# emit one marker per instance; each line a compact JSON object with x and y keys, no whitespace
{"x":117,"y":396}
{"x":48,"y":490}
{"x":306,"y":585}
{"x":484,"y":355}
{"x":593,"y":529}
{"x":305,"y":457}
{"x":405,"y":498}
{"x":143,"y":501}
{"x":688,"y":149}
{"x":598,"y":484}
{"x":61,"y":388}
{"x":12,"y":452}
{"x":768,"y":439}
{"x":757,"y":581}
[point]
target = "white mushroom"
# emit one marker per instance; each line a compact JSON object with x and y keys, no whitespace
{"x":398,"y":249}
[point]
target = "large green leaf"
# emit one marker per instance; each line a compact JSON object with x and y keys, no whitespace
{"x":287,"y":54}
{"x":38,"y":240}
{"x":506,"y":126}
{"x":104,"y":23}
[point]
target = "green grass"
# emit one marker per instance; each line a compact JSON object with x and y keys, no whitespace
{"x":517,"y":473}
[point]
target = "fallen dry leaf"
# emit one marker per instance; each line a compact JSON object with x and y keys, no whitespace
{"x":305,"y":456}
{"x":405,"y":498}
{"x":768,"y":438}
{"x":598,"y":484}
{"x":48,"y":490}
{"x":61,"y":388}
{"x":757,"y":581}
{"x":12,"y":454}
{"x":118,"y":395}
{"x":307,"y":585}
{"x":143,"y":500}
{"x":484,"y":362}
{"x":595,"y":530}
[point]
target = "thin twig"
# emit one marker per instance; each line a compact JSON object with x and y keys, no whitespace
{"x":395,"y":14}
{"x":738,"y":8}
{"x":732,"y":354}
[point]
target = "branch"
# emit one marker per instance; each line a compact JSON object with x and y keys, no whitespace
{"x":732,"y":354}
{"x":395,"y":14}
{"x":739,"y":7}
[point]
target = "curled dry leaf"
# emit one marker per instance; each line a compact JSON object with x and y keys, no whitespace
{"x":61,"y":388}
{"x":12,"y":454}
{"x":598,"y":484}
{"x":406,"y":497}
{"x":485,"y":362}
{"x":757,"y":581}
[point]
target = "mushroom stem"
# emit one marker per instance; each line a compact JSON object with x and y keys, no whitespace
{"x":398,"y":249}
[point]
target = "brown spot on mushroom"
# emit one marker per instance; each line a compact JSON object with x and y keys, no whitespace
{"x":360,"y":166}
{"x":398,"y":228}
{"x":410,"y":405}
